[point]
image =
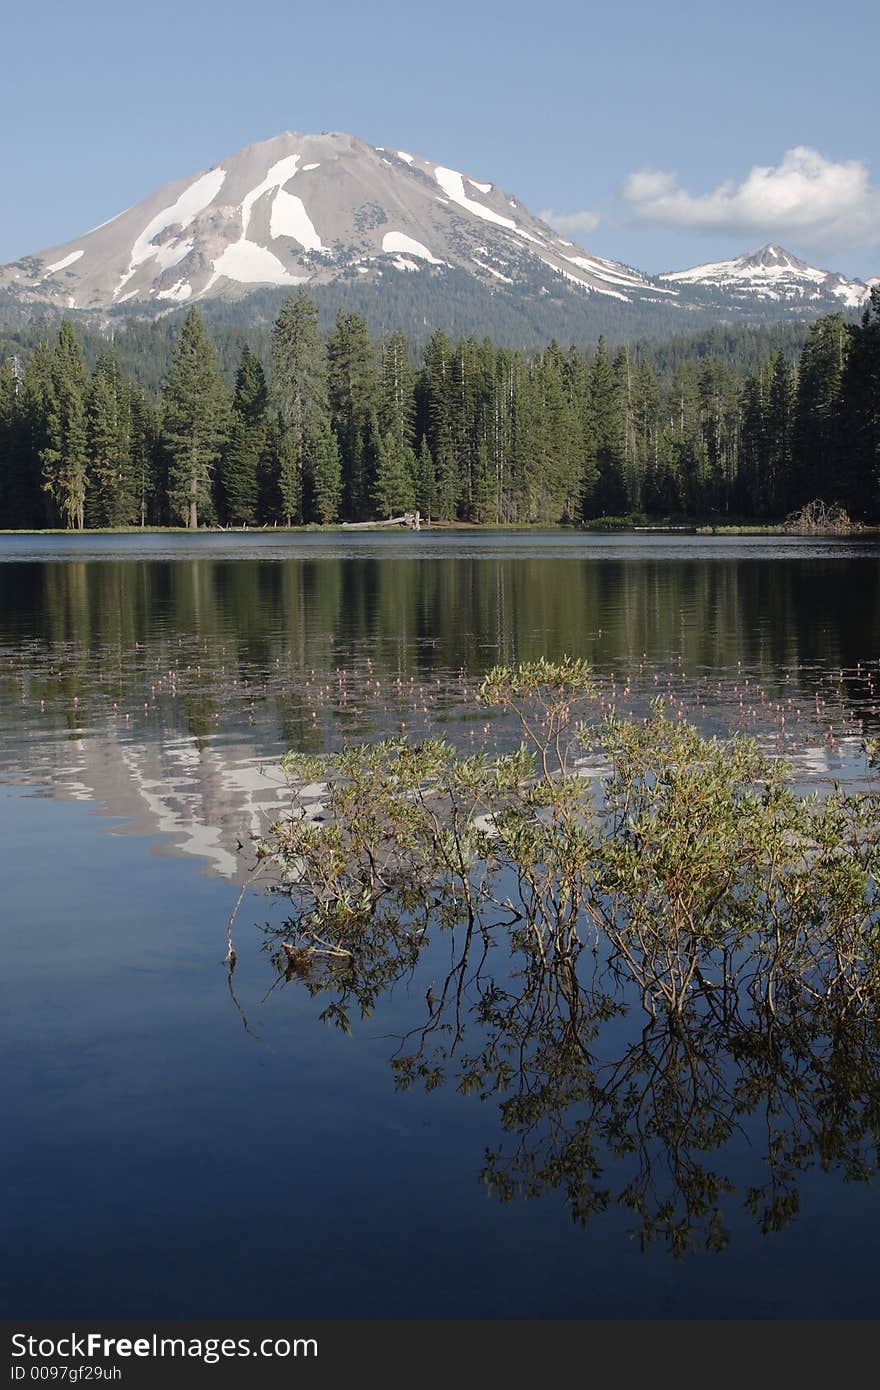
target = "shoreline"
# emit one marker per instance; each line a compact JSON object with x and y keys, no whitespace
{"x":600,"y":526}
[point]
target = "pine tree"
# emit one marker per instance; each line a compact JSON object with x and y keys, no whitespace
{"x":326,"y":474}
{"x":35,"y":403}
{"x":684,"y":446}
{"x":12,"y":508}
{"x":251,"y":396}
{"x":239,"y":473}
{"x":354,"y":403}
{"x":195,"y":419}
{"x":397,"y":391}
{"x":484,"y":507}
{"x":392,"y":485}
{"x":146,"y":485}
{"x":437,"y":389}
{"x":425,"y":482}
{"x":462,"y":417}
{"x":646,"y":421}
{"x":300,"y":397}
{"x":65,"y":462}
{"x":713,"y":436}
{"x":779,"y":420}
{"x":818,"y":428}
{"x":108,"y":430}
{"x":514,"y":469}
{"x":608,"y":496}
{"x":751,"y":491}
{"x":555,"y":472}
{"x":246,"y":443}
{"x":289,"y":476}
{"x":624,"y":380}
{"x":861,"y":401}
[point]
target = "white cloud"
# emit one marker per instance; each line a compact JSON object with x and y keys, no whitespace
{"x":806,"y":195}
{"x":573,"y":222}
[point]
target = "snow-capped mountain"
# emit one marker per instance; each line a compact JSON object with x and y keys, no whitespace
{"x":310,"y":209}
{"x":322,"y":209}
{"x":773,"y":274}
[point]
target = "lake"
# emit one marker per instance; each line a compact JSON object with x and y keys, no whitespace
{"x":181,"y":1142}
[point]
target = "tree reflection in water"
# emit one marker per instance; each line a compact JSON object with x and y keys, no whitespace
{"x":647,"y":1126}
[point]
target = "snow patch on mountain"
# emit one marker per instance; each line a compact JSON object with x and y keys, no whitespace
{"x":62,"y":264}
{"x":851,"y":294}
{"x":399,"y":243}
{"x":184,"y":211}
{"x":492,"y":271}
{"x":172,"y":253}
{"x":452,"y":184}
{"x":248,"y":263}
{"x":279,"y":174}
{"x":614,"y":274}
{"x":584,"y":284}
{"x":179,"y":292}
{"x":289,"y":218}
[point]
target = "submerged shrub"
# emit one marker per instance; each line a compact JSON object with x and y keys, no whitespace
{"x":687,"y":863}
{"x":598,"y":863}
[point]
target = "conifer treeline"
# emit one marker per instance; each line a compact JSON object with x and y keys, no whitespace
{"x":349,"y":428}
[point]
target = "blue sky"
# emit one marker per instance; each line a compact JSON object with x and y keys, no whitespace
{"x":670,"y":133}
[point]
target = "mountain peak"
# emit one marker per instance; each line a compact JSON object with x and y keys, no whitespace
{"x":771,"y":255}
{"x":309,"y":209}
{"x":773,"y":274}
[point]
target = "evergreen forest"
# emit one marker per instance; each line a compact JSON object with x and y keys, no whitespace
{"x":189,"y":425}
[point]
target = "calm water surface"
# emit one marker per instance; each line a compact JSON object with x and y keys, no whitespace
{"x":162,"y":1159}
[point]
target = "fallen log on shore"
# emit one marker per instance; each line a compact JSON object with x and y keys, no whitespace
{"x":411,"y":519}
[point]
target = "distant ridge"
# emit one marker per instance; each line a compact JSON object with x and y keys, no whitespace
{"x":773,"y":274}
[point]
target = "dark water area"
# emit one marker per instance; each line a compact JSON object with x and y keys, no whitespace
{"x":162,"y":1159}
